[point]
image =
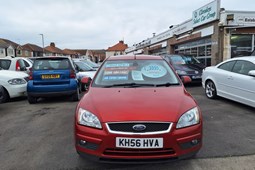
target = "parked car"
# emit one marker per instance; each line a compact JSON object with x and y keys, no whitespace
{"x":13,"y":63}
{"x":14,"y":84}
{"x":92,"y":64}
{"x":52,"y":76}
{"x":28,"y":63}
{"x":137,"y":110}
{"x":83,"y":70}
{"x":1,"y":94}
{"x":233,"y":79}
{"x":186,"y":65}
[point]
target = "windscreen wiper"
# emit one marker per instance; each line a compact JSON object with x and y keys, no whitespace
{"x":166,"y":84}
{"x":130,"y":85}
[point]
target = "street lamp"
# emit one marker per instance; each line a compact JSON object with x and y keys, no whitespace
{"x":42,"y":42}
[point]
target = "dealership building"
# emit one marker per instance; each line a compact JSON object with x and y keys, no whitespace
{"x":212,"y":35}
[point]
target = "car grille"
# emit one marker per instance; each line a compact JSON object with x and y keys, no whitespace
{"x":139,"y":152}
{"x":151,"y":127}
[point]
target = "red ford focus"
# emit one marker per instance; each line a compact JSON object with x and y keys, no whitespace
{"x":137,"y":110}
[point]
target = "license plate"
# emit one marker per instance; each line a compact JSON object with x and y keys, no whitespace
{"x":51,"y":76}
{"x":139,"y":142}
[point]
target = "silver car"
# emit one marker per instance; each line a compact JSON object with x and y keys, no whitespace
{"x":233,"y":79}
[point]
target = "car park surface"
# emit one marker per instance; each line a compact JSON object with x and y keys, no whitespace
{"x":41,"y":136}
{"x":233,"y":79}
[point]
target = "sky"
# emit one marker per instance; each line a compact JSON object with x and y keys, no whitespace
{"x":97,"y":24}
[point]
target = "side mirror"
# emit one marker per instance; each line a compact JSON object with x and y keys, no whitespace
{"x":186,"y":79}
{"x":251,"y":73}
{"x":85,"y":80}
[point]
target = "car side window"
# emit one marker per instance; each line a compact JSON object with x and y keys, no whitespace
{"x":5,"y":64}
{"x":227,"y":66}
{"x":243,"y":67}
{"x":26,"y":63}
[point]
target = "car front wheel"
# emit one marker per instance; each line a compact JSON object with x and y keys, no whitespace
{"x":210,"y":90}
{"x":5,"y":97}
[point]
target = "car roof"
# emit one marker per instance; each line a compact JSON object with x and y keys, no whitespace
{"x":132,"y":57}
{"x":51,"y":57}
{"x":246,"y":58}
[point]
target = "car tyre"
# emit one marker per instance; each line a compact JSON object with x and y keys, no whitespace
{"x":76,"y":96}
{"x":5,"y":97}
{"x":210,"y":90}
{"x":31,"y":99}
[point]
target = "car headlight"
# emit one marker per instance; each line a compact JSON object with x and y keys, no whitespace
{"x":189,"y":118}
{"x":88,"y":119}
{"x":181,"y":72}
{"x":17,"y":81}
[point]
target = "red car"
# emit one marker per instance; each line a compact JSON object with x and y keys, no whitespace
{"x":137,"y":110}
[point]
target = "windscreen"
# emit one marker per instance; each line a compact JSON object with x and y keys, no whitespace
{"x":52,"y":64}
{"x":178,"y":59}
{"x":83,"y":66}
{"x":135,"y":72}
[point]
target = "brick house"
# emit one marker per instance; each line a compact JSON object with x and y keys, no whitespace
{"x":96,"y":55}
{"x":52,"y":50}
{"x":117,"y":49}
{"x":35,"y":50}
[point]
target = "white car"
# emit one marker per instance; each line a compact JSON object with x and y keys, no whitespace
{"x":233,"y":79}
{"x":14,"y":84}
{"x":13,"y":63}
{"x":1,"y":94}
{"x":28,"y":63}
{"x":84,"y":70}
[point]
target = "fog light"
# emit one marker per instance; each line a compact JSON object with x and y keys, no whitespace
{"x":82,"y":142}
{"x":194,"y":142}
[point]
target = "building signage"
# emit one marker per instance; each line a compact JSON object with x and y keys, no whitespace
{"x":205,"y":14}
{"x":182,"y":28}
{"x":246,"y":19}
{"x":161,"y":37}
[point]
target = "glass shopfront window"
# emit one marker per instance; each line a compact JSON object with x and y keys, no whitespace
{"x":201,"y":49}
{"x":241,"y":45}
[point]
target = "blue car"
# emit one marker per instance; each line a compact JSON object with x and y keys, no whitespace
{"x":52,"y":76}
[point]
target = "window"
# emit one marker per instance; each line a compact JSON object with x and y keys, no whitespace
{"x":201,"y":49}
{"x":241,"y":45}
{"x":5,"y":64}
{"x":10,"y":52}
{"x":243,"y":67}
{"x":1,"y":51}
{"x":227,"y":66}
{"x":146,"y":72}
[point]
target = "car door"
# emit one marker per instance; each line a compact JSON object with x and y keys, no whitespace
{"x":242,"y":86}
{"x":222,"y":80}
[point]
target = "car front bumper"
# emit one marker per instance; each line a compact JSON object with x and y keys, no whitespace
{"x":17,"y":90}
{"x":100,"y":145}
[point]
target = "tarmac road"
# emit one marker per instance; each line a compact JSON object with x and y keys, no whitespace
{"x":40,"y":136}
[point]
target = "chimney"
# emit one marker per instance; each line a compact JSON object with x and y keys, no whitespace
{"x":52,"y":44}
{"x":121,"y":41}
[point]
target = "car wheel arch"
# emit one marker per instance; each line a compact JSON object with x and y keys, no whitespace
{"x":6,"y":95}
